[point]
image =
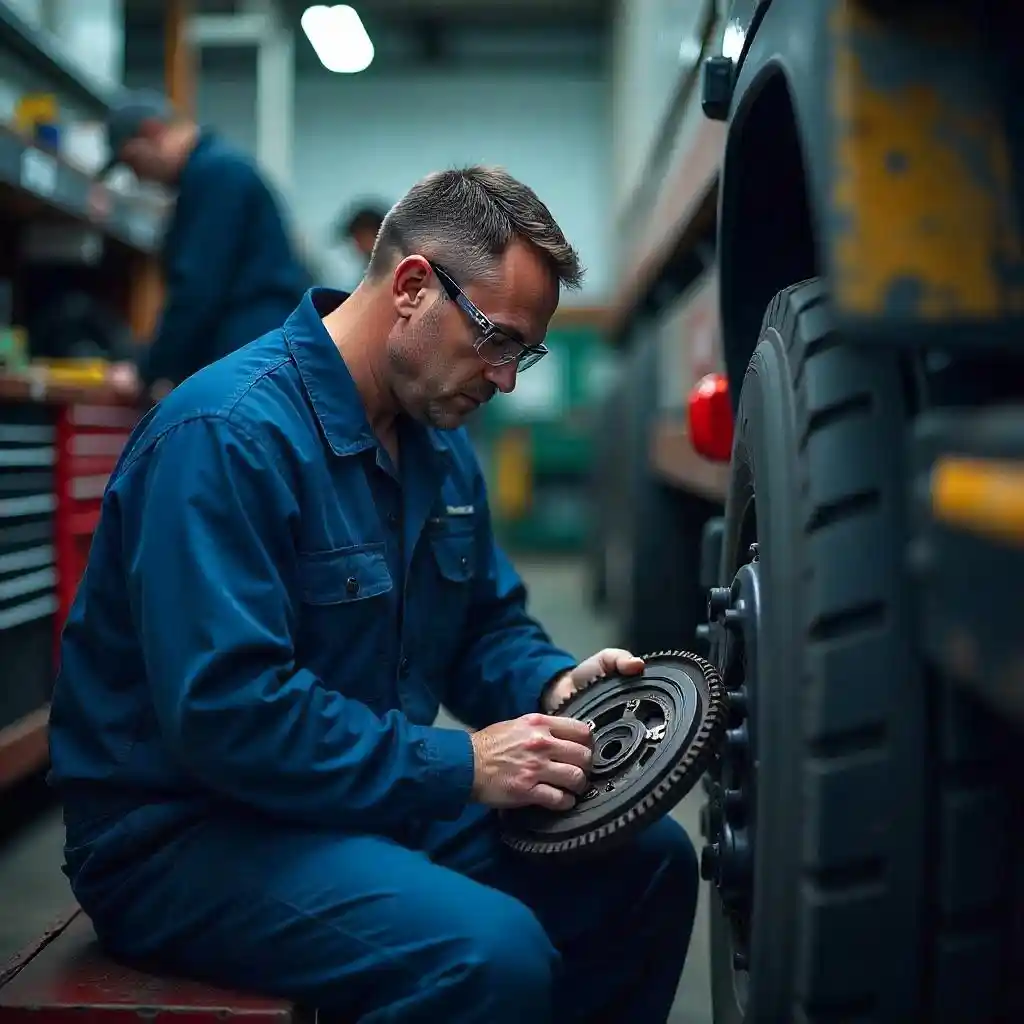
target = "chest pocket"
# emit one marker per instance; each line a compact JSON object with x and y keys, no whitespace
{"x":454,"y":549}
{"x":344,"y":575}
{"x":347,"y":618}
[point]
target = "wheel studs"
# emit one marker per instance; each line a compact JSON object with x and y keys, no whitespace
{"x":719,"y":600}
{"x":732,"y":805}
{"x":737,"y":740}
{"x":733,"y":617}
{"x":728,"y":819}
{"x":737,"y":703}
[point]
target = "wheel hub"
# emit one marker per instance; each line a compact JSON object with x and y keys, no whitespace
{"x":728,"y":820}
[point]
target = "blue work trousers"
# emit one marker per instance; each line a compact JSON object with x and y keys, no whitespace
{"x":453,"y":928}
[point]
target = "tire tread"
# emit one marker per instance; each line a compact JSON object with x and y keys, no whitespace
{"x":864,"y":751}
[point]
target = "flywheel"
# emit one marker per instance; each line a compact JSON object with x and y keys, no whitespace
{"x":654,"y":734}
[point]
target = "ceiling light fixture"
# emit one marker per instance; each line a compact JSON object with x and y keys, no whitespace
{"x":338,"y":38}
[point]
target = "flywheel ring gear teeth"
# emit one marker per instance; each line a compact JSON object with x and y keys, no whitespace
{"x":682,"y":777}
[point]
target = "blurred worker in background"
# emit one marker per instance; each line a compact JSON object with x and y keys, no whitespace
{"x":293,"y":568}
{"x":230,"y":269}
{"x":359,"y":227}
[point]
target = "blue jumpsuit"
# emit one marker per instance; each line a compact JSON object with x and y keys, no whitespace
{"x":231,"y":269}
{"x":253,"y":792}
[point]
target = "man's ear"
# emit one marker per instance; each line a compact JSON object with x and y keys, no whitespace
{"x":410,"y":285}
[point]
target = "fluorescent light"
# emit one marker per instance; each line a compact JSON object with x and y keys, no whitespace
{"x":732,"y":41}
{"x":338,"y":38}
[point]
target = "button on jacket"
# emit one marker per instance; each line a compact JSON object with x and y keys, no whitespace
{"x":272,"y":613}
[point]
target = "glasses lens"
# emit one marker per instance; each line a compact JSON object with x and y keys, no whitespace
{"x":530,"y":357}
{"x":499,"y":350}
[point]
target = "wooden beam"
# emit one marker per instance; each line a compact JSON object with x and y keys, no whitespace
{"x":179,"y":58}
{"x":581,"y":316}
{"x":146,"y":295}
{"x":145,"y":298}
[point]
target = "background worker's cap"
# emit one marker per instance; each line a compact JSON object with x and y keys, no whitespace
{"x":127,"y":115}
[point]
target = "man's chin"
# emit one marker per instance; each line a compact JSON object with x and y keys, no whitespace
{"x":451,"y":413}
{"x":443,"y":417}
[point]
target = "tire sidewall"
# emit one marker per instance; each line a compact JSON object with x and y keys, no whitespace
{"x":765,"y":463}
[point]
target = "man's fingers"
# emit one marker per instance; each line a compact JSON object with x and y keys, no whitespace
{"x":565,"y":776}
{"x":626,"y":663}
{"x":570,"y":752}
{"x":569,"y":729}
{"x":630,"y":665}
{"x":543,"y":795}
{"x":615,"y":659}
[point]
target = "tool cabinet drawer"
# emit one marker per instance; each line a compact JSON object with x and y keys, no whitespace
{"x":28,"y":569}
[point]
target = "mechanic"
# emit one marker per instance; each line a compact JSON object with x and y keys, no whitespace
{"x":230,"y":269}
{"x":359,"y":228}
{"x":293,"y":569}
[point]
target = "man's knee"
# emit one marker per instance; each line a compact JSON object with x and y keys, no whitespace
{"x":676,"y":847}
{"x":505,"y":957}
{"x":669,"y":861}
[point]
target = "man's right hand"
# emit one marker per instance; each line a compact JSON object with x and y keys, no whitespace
{"x":534,"y":760}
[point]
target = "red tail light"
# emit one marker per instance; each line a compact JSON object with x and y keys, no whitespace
{"x":710,"y":418}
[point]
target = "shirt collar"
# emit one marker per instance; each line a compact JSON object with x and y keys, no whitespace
{"x":326,"y":378}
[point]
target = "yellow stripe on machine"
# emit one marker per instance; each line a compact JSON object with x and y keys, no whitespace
{"x":922,"y":198}
{"x":984,"y":496}
{"x":514,"y":487}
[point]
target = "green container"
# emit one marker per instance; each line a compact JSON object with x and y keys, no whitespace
{"x":553,"y":402}
{"x":565,"y":382}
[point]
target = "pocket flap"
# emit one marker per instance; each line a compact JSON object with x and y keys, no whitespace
{"x":344,"y":574}
{"x":455,"y":555}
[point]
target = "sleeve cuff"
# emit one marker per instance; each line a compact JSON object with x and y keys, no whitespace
{"x":448,"y":755}
{"x":544,"y":671}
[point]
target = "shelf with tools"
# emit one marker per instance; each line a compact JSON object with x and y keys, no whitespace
{"x":36,"y":48}
{"x":80,"y":285}
{"x":38,"y":183}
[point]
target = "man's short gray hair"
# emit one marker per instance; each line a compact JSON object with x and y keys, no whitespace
{"x":465,"y":220}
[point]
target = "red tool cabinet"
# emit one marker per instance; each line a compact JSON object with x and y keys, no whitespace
{"x":28,"y":565}
{"x":56,"y":455}
{"x":90,"y":438}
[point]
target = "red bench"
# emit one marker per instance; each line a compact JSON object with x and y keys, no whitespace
{"x":65,"y":978}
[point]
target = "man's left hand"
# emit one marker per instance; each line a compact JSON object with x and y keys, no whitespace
{"x":610,"y":660}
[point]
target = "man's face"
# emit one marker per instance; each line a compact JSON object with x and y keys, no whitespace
{"x":437,"y":374}
{"x":146,"y":157}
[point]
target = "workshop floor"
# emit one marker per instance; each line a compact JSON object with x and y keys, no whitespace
{"x":33,"y":890}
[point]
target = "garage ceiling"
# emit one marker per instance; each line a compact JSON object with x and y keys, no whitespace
{"x":476,"y":12}
{"x":407,"y":33}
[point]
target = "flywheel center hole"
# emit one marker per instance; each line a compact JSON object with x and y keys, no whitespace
{"x":611,"y":749}
{"x":616,"y":745}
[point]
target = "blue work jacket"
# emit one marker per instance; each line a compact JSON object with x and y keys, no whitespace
{"x":231,"y":270}
{"x":272,"y":613}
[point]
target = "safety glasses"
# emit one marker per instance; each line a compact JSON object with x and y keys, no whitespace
{"x":494,"y":346}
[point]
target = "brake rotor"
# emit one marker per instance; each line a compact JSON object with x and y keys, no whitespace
{"x":654,"y":735}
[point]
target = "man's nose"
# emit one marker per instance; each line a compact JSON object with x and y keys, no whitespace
{"x":503,"y":377}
